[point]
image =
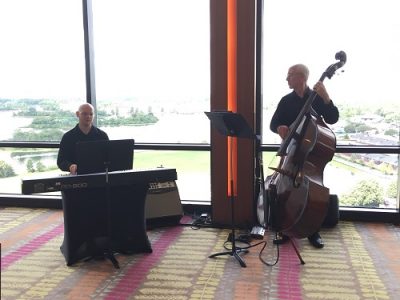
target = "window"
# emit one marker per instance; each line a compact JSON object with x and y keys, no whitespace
{"x":42,"y":79}
{"x":152,"y":65}
{"x":311,"y":32}
{"x":152,"y":78}
{"x":42,"y":70}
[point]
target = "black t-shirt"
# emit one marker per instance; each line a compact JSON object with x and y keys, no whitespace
{"x":67,"y":151}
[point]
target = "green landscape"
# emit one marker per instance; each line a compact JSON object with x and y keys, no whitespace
{"x":48,"y":121}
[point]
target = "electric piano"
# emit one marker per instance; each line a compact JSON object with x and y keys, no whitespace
{"x":97,"y":180}
{"x":104,"y":213}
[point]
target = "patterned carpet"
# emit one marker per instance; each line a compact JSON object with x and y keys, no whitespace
{"x":359,"y":261}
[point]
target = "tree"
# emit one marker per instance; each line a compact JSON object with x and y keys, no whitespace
{"x":51,"y":134}
{"x":391,"y":132}
{"x":29,"y":166}
{"x":392,"y":190}
{"x":40,"y":167}
{"x":366,"y":193}
{"x":6,"y":170}
{"x":350,"y":128}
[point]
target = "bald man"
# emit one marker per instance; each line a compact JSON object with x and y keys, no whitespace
{"x":83,"y":131}
{"x":290,"y":105}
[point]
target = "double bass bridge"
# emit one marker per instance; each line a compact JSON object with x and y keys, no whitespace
{"x":284,"y":172}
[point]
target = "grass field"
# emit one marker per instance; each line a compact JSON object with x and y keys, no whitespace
{"x":196,"y":161}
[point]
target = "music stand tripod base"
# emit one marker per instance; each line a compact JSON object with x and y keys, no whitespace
{"x":234,"y":253}
{"x":111,"y":257}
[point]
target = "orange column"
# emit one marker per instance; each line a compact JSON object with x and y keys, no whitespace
{"x":232,"y":88}
{"x":232,"y":59}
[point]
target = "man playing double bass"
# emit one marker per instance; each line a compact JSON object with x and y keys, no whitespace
{"x":289,"y":108}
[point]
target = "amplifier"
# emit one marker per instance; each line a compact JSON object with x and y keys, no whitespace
{"x":163,"y":205}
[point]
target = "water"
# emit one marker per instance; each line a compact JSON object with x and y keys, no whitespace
{"x":171,"y":128}
{"x":9,"y":123}
{"x":176,"y":128}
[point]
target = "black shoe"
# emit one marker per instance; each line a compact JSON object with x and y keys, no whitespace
{"x":316,"y":240}
{"x":280,"y":239}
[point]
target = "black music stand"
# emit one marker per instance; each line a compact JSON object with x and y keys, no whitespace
{"x":106,"y":156}
{"x":232,"y":125}
{"x":109,"y":253}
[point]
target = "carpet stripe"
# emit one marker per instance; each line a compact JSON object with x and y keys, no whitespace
{"x":21,"y":232}
{"x":288,"y":278}
{"x":209,"y":278}
{"x":184,"y":262}
{"x":371,"y":285}
{"x":39,"y":272}
{"x":31,"y":246}
{"x":92,"y":279}
{"x":138,"y":271}
{"x":359,"y":261}
{"x":11,"y":217}
{"x":249,"y":287}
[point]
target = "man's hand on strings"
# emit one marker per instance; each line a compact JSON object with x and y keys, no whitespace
{"x":283,"y":130}
{"x":320,"y":89}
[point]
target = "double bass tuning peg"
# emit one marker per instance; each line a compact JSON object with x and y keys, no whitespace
{"x":341,"y":71}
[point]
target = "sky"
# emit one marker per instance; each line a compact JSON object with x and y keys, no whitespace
{"x":152,"y":49}
{"x":312,"y":31}
{"x":41,"y":53}
{"x":142,"y":48}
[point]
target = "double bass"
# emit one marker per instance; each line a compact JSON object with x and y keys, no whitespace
{"x":297,"y":200}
